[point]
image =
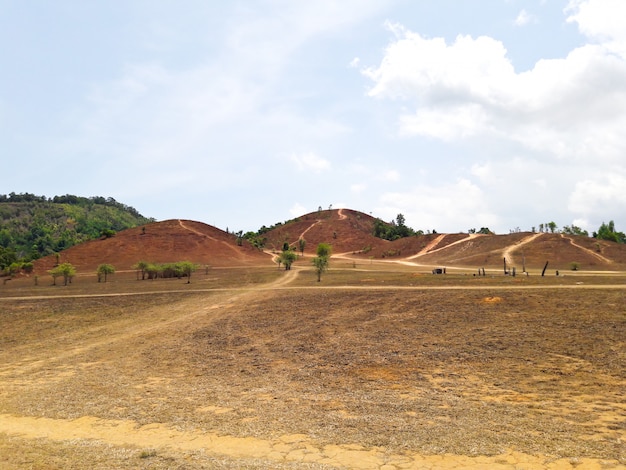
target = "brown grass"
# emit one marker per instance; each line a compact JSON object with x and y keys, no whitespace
{"x":382,"y":362}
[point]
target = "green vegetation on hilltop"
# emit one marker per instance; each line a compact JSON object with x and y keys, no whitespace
{"x":394,"y":230}
{"x":35,"y":226}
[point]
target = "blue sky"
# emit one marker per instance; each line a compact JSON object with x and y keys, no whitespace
{"x":458,"y":114}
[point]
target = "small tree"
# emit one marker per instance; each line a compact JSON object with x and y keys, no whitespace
{"x":66,"y":270}
{"x":187,"y":267}
{"x":142,"y":267}
{"x":104,"y":270}
{"x":54,"y":273}
{"x":301,"y":245}
{"x":321,"y":261}
{"x":287,"y":257}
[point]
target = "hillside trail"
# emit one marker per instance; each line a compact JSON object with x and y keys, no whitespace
{"x":340,"y":213}
{"x":432,"y":246}
{"x":507,"y":253}
{"x":204,"y":235}
{"x":587,"y":250}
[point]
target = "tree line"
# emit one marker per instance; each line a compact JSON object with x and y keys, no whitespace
{"x":34,"y":226}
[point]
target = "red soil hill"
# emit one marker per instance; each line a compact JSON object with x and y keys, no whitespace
{"x":159,"y":242}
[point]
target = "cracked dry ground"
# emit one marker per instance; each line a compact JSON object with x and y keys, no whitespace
{"x":316,"y":378}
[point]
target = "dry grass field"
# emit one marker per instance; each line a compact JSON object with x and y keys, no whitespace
{"x":375,"y":367}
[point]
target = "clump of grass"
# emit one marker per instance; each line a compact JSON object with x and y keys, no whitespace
{"x":147,"y":453}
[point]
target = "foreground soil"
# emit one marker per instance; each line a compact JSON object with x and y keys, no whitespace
{"x":278,"y":371}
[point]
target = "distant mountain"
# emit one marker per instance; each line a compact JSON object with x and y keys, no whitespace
{"x":35,"y":226}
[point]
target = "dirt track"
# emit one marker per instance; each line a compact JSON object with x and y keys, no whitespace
{"x":273,"y":376}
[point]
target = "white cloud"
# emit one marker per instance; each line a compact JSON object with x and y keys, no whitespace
{"x":454,"y":206}
{"x":564,"y":118}
{"x":310,"y":162}
{"x":354,"y":63}
{"x":602,"y":20}
{"x":297,"y":210}
{"x":523,"y":18}
{"x":603,"y":196}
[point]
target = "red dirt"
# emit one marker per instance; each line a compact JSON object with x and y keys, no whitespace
{"x":350,"y":234}
{"x":160,"y":242}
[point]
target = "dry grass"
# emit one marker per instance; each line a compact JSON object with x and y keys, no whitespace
{"x":472,"y":371}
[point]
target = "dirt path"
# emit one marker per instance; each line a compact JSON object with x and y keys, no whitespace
{"x":319,"y":221}
{"x":587,"y":250}
{"x":227,"y":245}
{"x":297,"y":448}
{"x":508,"y":252}
{"x":431,"y":247}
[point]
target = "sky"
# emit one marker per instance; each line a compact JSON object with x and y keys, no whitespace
{"x":458,"y":114}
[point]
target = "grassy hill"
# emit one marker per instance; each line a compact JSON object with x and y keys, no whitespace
{"x":34,"y":226}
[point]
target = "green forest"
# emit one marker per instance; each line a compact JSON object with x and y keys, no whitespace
{"x":34,"y":226}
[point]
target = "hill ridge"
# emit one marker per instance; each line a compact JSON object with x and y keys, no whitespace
{"x":349,"y":232}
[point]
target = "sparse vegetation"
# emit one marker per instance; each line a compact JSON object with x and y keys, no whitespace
{"x":287,"y":257}
{"x":66,"y":270}
{"x":153,"y":271}
{"x":452,"y":376}
{"x":321,"y":261}
{"x":104,"y":270}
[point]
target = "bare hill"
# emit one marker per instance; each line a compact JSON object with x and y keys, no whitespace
{"x":346,"y":230}
{"x":350,"y":234}
{"x":160,"y":242}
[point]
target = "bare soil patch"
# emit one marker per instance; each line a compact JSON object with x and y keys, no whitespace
{"x":386,"y":376}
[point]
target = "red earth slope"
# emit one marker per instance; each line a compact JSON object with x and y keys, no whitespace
{"x":160,"y":242}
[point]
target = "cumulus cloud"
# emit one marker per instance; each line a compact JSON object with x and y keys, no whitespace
{"x":602,"y":20}
{"x":469,"y":88}
{"x":568,"y":111}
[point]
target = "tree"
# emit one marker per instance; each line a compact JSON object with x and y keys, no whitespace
{"x":141,"y":266}
{"x":66,"y":270}
{"x":552,"y":226}
{"x":608,"y":232}
{"x":288,"y":257}
{"x":187,"y":268}
{"x":104,"y":270}
{"x":301,"y":245}
{"x":574,"y":230}
{"x":321,"y":261}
